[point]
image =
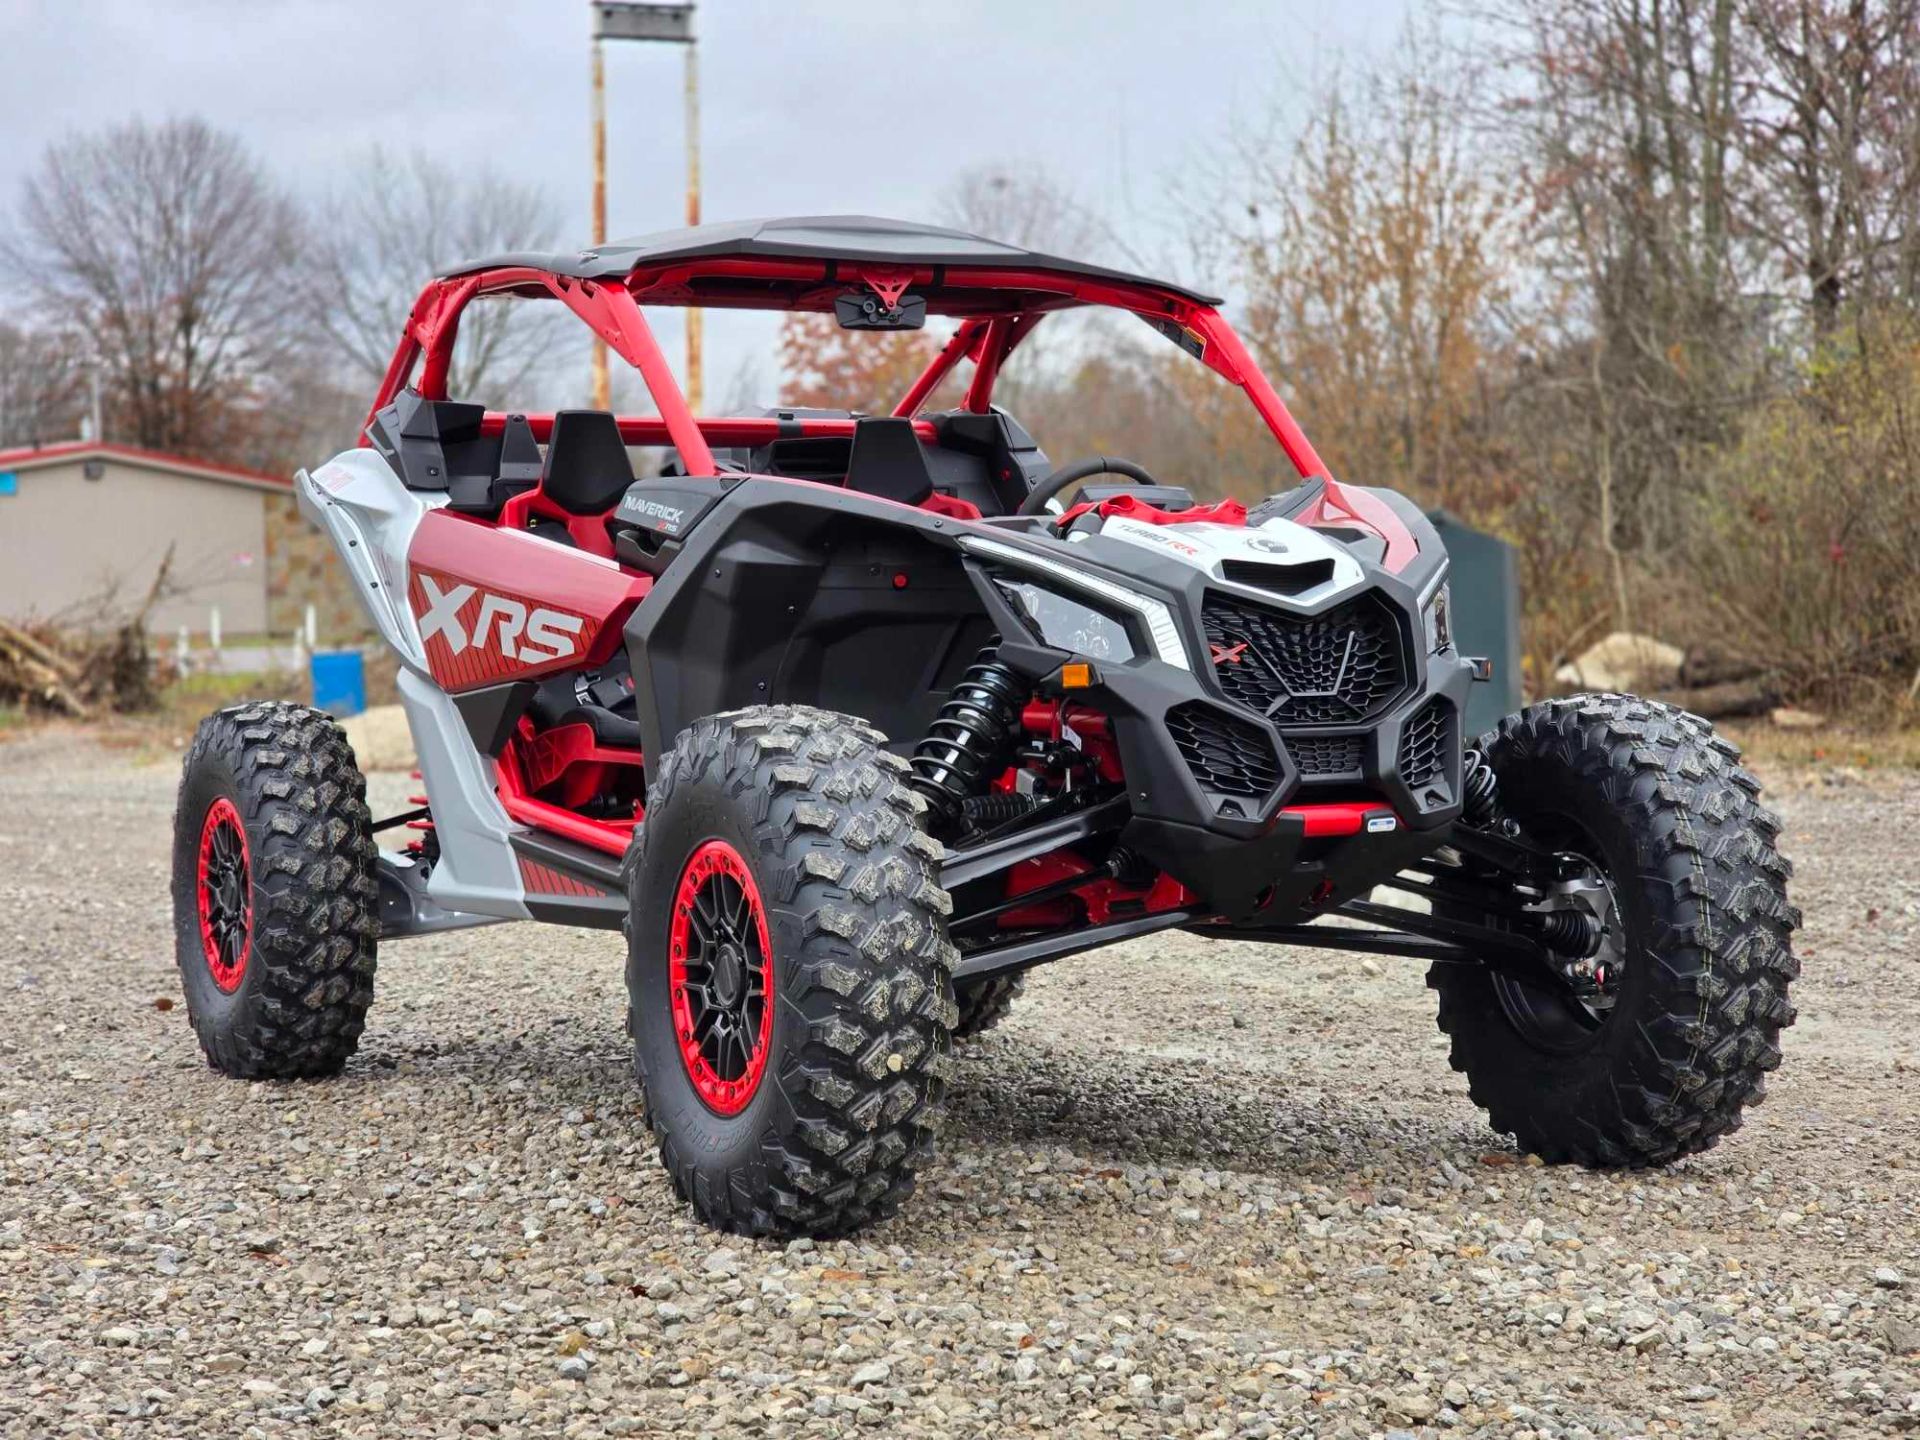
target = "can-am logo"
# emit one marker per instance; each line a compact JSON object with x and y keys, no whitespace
{"x":531,"y":635}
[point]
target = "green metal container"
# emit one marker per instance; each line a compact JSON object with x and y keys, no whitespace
{"x":1486,"y":616}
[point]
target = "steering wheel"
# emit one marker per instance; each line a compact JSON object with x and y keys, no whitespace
{"x":1037,"y":498}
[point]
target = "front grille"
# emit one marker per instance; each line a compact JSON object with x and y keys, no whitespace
{"x":1326,"y":756}
{"x":1331,"y":669}
{"x":1227,"y":755}
{"x":1423,"y":744}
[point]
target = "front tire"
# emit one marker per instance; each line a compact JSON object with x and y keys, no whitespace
{"x":788,"y":972}
{"x":275,"y":905}
{"x":985,"y":1003}
{"x":1673,"y":825}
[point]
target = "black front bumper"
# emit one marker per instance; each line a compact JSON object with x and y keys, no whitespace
{"x":1211,"y":780}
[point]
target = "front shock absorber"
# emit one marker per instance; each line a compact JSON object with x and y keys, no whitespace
{"x":972,"y":738}
{"x":1480,"y":790}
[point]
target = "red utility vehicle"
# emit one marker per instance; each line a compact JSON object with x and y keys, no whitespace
{"x":849,"y":720}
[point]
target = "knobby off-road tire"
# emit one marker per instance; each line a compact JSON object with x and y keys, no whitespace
{"x":1701,"y":892}
{"x":985,"y":1003}
{"x":275,"y":905}
{"x":788,"y":830}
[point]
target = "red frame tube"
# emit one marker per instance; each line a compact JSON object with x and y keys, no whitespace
{"x":718,"y":430}
{"x":963,"y":343}
{"x":1012,"y":301}
{"x":608,"y":836}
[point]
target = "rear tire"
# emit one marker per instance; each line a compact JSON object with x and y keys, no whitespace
{"x":275,"y":905}
{"x":1700,"y":893}
{"x":788,"y":973}
{"x":985,"y":1003}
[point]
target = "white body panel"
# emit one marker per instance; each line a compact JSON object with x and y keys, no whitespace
{"x":358,"y":500}
{"x":370,"y":516}
{"x":1206,"y":547}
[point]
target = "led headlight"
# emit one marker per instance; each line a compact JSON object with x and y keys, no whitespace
{"x":1071,"y":624}
{"x":1439,"y":618}
{"x":1155,"y":619}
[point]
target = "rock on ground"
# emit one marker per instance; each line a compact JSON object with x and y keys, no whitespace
{"x":1188,"y":1188}
{"x":380,"y":739}
{"x":1625,"y":662}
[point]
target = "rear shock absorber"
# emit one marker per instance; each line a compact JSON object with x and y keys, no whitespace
{"x":971,"y":738}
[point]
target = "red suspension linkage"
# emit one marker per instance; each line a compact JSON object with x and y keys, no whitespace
{"x":1104,"y":897}
{"x":425,"y":823}
{"x":1090,"y":728}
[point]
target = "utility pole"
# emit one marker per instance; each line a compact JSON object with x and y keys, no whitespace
{"x":695,"y":397}
{"x":602,"y":387}
{"x":672,"y":23}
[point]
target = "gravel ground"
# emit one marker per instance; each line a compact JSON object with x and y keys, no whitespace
{"x":1190,"y":1188}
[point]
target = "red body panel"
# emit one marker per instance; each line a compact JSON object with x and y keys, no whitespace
{"x":544,"y":881}
{"x":497,"y":604}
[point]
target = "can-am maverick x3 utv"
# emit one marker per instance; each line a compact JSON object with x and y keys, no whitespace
{"x":847,"y":720}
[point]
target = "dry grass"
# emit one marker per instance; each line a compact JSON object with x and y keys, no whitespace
{"x":166,"y":729}
{"x":1863,"y":747}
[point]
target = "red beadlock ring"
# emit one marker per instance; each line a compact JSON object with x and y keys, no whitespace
{"x":720,"y":977}
{"x":224,"y":892}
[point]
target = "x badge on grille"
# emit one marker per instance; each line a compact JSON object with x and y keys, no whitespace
{"x":1227,"y":654}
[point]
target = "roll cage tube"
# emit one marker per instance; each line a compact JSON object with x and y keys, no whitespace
{"x":999,"y":307}
{"x":609,"y":310}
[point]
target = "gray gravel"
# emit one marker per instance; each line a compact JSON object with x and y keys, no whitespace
{"x":1190,"y":1188}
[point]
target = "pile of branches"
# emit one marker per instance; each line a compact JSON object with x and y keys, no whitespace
{"x":82,"y":671}
{"x":75,"y":674}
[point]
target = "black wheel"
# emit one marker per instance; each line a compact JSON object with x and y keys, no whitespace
{"x":788,"y":972}
{"x":275,"y":906}
{"x":1679,"y":1017}
{"x":985,"y":1003}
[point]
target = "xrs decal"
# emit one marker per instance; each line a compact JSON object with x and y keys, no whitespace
{"x":517,"y":632}
{"x":475,"y":636}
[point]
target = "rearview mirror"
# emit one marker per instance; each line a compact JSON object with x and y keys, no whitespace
{"x":863,"y":310}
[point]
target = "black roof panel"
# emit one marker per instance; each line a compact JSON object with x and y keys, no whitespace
{"x":812,"y":237}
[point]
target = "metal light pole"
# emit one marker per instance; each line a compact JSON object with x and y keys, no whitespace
{"x":672,"y":23}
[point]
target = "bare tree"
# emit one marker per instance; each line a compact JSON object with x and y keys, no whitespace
{"x":171,"y":252}
{"x":1627,"y":130}
{"x":1022,"y":206}
{"x":405,"y":219}
{"x":41,"y":386}
{"x":1375,"y":254}
{"x":1831,"y":133}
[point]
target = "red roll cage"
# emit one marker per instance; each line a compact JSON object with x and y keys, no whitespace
{"x":998,"y":307}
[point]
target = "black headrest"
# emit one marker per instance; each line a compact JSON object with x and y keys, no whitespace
{"x":887,"y":461}
{"x":588,"y":468}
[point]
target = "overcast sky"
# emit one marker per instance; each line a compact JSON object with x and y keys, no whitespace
{"x":807,"y":108}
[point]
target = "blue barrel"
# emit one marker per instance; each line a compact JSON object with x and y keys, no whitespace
{"x":339,"y":681}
